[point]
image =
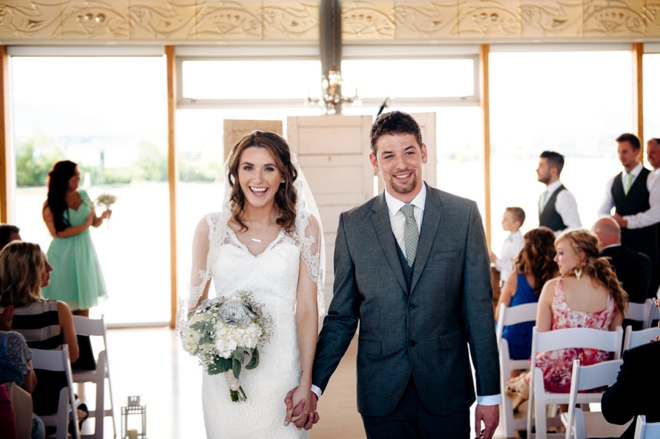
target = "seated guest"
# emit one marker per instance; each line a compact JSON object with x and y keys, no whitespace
{"x":45,"y":324}
{"x":534,"y":266}
{"x":586,"y":295}
{"x":635,"y":390}
{"x":633,"y":269}
{"x":16,"y":364}
{"x":8,"y":233}
{"x":7,"y":419}
{"x":512,"y":220}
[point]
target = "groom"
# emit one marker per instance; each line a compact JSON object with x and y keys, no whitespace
{"x":412,"y":267}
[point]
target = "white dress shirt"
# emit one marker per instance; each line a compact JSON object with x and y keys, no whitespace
{"x":566,"y":207}
{"x":510,"y":249}
{"x":641,"y":219}
{"x":397,"y":221}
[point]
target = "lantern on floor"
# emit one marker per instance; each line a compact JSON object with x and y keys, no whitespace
{"x":134,"y":419}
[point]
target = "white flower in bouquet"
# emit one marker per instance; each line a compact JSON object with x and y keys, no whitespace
{"x":106,"y":200}
{"x":225,"y":334}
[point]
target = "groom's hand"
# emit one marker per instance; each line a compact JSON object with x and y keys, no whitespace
{"x":490,"y":414}
{"x":303,"y":415}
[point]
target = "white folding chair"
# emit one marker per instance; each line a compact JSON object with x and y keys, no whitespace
{"x":654,"y":314}
{"x":640,"y":312}
{"x":643,"y":430}
{"x":96,"y":327}
{"x":58,"y":361}
{"x":569,"y":338}
{"x":633,"y":339}
{"x":587,"y":378}
{"x":511,"y":316}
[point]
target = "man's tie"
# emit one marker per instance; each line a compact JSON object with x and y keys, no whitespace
{"x":629,"y":178}
{"x":544,"y":196}
{"x":410,"y":233}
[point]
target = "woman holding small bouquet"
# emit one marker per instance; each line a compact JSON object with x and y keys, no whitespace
{"x":68,"y":213}
{"x":264,"y":252}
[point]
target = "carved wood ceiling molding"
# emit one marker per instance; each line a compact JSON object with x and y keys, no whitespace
{"x":181,"y":21}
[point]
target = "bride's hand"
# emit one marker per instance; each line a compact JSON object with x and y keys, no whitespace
{"x":295,"y":404}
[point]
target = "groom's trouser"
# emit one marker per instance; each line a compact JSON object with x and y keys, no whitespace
{"x":411,"y":420}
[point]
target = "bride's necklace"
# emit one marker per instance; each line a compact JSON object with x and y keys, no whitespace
{"x":259,"y":239}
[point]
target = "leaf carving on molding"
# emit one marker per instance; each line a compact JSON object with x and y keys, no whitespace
{"x":93,"y":19}
{"x":361,"y":18}
{"x":292,"y":21}
{"x":491,"y":18}
{"x":427,"y":20}
{"x":551,"y":20}
{"x":614,"y":18}
{"x":229,"y":18}
{"x":161,"y":21}
{"x":652,"y":13}
{"x":28,"y":20}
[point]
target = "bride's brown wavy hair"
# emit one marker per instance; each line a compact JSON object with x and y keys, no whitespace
{"x":584,"y":242}
{"x":285,"y":197}
{"x":537,"y":257}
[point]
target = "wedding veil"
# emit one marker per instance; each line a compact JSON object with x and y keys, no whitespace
{"x":307,"y":235}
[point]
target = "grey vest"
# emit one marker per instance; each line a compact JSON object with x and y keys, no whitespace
{"x":550,"y":217}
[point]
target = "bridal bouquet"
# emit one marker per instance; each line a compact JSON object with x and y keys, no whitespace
{"x":106,"y":200}
{"x":224,"y":334}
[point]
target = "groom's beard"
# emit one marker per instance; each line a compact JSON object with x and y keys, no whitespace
{"x":406,"y":187}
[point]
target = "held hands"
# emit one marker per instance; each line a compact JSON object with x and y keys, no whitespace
{"x":490,"y":415}
{"x":303,"y":413}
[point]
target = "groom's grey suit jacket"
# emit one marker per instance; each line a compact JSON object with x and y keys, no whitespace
{"x":424,"y":328}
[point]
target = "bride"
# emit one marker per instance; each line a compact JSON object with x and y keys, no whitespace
{"x":266,"y":239}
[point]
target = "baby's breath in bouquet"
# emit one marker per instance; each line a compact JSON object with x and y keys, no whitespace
{"x":224,"y":334}
{"x":106,"y":200}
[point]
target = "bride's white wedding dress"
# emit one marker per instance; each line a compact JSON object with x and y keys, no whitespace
{"x":273,"y":278}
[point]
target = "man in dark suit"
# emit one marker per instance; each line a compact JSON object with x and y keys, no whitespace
{"x":636,"y":389}
{"x":412,"y":267}
{"x":632,"y":268}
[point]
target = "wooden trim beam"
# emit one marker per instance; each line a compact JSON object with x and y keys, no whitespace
{"x":485,"y":109}
{"x":172,"y":174}
{"x":638,"y":94}
{"x":6,"y":174}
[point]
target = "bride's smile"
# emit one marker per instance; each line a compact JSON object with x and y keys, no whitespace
{"x":258,"y":176}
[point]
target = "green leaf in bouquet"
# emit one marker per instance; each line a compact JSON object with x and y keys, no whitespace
{"x":236,"y":368}
{"x":216,"y":367}
{"x":238,"y":355}
{"x":254,"y":362}
{"x":226,"y":364}
{"x":206,"y":338}
{"x":198,"y":326}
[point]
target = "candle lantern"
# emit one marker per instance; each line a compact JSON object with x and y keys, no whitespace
{"x":134,"y":419}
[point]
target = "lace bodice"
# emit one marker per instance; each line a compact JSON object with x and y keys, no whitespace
{"x":272,"y":277}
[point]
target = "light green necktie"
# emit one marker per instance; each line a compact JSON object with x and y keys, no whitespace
{"x":410,"y":233}
{"x":629,"y":178}
{"x":544,"y":196}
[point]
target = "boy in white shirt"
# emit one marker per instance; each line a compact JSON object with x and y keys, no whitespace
{"x":512,"y":220}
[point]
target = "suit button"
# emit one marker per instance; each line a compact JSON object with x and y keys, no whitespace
{"x":412,"y":343}
{"x":412,"y":306}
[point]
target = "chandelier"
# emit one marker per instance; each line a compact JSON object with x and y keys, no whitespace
{"x":332,"y":97}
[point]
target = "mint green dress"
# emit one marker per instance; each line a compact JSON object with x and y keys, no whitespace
{"x":76,"y":278}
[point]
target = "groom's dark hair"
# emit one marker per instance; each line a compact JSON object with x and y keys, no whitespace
{"x":394,"y":122}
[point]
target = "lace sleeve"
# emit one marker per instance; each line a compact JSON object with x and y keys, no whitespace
{"x":200,"y":272}
{"x":312,"y":253}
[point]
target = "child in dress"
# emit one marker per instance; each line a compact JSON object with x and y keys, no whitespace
{"x":512,"y":220}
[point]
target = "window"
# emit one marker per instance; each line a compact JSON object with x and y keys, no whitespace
{"x":651,"y":93}
{"x":575,"y":103}
{"x":109,"y":115}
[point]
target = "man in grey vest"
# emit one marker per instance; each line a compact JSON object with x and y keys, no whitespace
{"x":557,"y":206}
{"x":412,"y":268}
{"x":635,"y":195}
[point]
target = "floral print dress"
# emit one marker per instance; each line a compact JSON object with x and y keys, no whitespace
{"x":557,"y":366}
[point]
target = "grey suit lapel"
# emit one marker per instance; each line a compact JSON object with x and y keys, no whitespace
{"x":381,"y":221}
{"x":427,"y":236}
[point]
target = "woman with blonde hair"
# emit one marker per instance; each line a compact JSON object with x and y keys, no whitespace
{"x":586,"y":295}
{"x":44,"y":323}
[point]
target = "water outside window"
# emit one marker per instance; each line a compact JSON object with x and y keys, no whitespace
{"x":109,"y":115}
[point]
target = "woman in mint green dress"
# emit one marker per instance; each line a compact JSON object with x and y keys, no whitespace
{"x":77,"y":278}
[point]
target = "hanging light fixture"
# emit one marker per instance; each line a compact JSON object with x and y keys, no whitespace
{"x":331,"y":93}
